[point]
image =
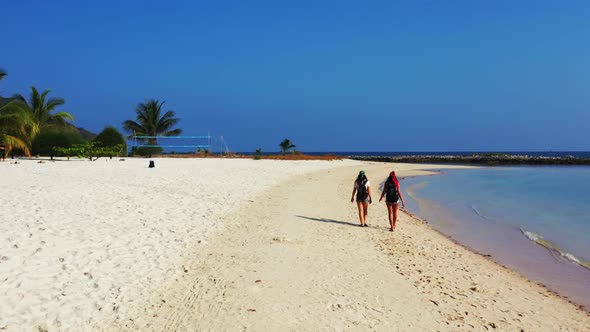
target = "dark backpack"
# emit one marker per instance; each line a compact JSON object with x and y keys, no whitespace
{"x":391,"y":194}
{"x":362,"y":192}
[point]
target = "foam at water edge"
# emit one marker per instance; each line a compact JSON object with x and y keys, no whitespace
{"x":479,"y":213}
{"x":537,"y":238}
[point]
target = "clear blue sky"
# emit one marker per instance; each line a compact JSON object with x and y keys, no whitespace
{"x":329,"y":75}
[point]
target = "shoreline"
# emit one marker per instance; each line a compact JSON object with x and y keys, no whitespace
{"x":491,"y":259}
{"x":551,"y":268}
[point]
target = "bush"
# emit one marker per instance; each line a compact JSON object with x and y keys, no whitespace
{"x":146,"y":151}
{"x":89,"y":150}
{"x":258,"y":154}
{"x":110,"y":137}
{"x":55,"y":137}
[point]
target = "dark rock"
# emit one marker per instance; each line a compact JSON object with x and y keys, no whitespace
{"x":479,"y":159}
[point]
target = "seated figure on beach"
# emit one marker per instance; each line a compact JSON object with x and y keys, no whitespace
{"x":393,"y":195}
{"x":362,"y":188}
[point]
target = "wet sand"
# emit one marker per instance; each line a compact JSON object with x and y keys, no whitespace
{"x":501,"y":242}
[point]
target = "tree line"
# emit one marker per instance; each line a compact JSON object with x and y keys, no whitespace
{"x":36,"y":126}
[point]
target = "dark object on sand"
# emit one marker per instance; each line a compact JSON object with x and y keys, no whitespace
{"x":152,"y":165}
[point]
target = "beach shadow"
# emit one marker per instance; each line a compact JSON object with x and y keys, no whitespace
{"x":329,"y":220}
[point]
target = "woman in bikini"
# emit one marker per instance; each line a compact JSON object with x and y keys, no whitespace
{"x":362,"y":188}
{"x":393,"y":195}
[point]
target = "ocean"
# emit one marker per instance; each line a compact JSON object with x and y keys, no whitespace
{"x":577,"y":154}
{"x":534,"y":220}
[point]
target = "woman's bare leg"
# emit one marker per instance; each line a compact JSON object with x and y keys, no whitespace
{"x":366,"y":211}
{"x":361,"y":212}
{"x":390,"y":215}
{"x":394,"y":213}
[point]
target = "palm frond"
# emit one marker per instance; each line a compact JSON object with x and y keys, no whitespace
{"x":150,"y":122}
{"x":28,"y":117}
{"x":35,"y":99}
{"x":62,"y":117}
{"x":16,"y":127}
{"x":20,"y":98}
{"x":174,"y":132}
{"x":133,"y":127}
{"x":44,"y":95}
{"x":53,"y":103}
{"x":12,"y":142}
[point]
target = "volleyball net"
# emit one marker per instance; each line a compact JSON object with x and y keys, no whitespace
{"x":172,"y":144}
{"x":179,"y":144}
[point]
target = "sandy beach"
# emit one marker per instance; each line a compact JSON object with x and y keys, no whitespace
{"x":237,"y":245}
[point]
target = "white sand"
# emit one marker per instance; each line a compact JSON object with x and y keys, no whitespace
{"x":216,"y":245}
{"x":80,"y":240}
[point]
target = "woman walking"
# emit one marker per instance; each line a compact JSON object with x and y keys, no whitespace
{"x":393,"y":195}
{"x":362,"y":188}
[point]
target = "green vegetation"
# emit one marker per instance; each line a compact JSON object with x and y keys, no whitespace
{"x":23,"y":120}
{"x":110,"y":137}
{"x":146,"y":151}
{"x":55,"y":137}
{"x":35,"y":126}
{"x":258,"y":154}
{"x":14,"y":129}
{"x":13,"y":126}
{"x":89,"y":150}
{"x":286,"y":145}
{"x":41,"y":108}
{"x":151,"y":122}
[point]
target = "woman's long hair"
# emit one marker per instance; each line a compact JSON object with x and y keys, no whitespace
{"x":394,"y":178}
{"x":361,"y":178}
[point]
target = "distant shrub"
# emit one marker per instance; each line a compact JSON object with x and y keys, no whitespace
{"x":286,"y":145}
{"x":146,"y":151}
{"x":203,"y":152}
{"x":111,"y":137}
{"x":55,"y":137}
{"x":88,"y":150}
{"x":258,"y":154}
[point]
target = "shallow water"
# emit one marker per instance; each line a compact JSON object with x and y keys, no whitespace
{"x":532,"y":219}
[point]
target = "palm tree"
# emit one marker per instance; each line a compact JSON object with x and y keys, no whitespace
{"x":286,"y":145}
{"x":2,"y":75}
{"x":151,"y":122}
{"x":41,"y":109}
{"x":23,"y":119}
{"x":15,"y":129}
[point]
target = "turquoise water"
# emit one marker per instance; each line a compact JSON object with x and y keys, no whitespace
{"x":533,"y":219}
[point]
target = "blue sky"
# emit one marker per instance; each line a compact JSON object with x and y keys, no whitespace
{"x":329,"y":75}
